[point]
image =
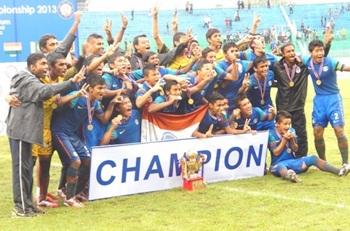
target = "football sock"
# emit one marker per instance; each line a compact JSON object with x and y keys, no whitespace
{"x":320,"y":148}
{"x":343,"y":148}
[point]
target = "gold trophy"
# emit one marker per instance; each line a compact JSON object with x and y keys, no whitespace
{"x":191,"y":166}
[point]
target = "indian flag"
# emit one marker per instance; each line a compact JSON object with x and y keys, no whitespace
{"x":163,"y":126}
{"x":12,"y":46}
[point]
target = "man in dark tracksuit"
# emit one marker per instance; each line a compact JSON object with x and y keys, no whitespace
{"x":291,"y":77}
{"x":25,"y":127}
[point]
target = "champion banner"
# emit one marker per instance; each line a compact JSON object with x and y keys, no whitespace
{"x":145,"y":167}
{"x":162,"y":126}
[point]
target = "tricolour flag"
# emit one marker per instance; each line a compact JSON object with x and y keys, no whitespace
{"x":163,"y":126}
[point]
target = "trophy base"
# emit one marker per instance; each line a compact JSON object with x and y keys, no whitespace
{"x":193,"y":184}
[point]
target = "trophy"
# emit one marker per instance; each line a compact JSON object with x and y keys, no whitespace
{"x":191,"y":165}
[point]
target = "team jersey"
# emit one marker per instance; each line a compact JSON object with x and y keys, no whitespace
{"x":219,"y":56}
{"x":93,"y":137}
{"x":219,"y":123}
{"x":257,"y":117}
{"x":328,"y":75}
{"x":71,"y":117}
{"x":180,"y":62}
{"x":255,"y":92}
{"x":138,"y":74}
{"x":275,"y":139}
{"x":112,"y":82}
{"x":249,"y":55}
{"x":129,"y":131}
{"x":48,"y":105}
{"x":143,"y":88}
{"x":228,"y":88}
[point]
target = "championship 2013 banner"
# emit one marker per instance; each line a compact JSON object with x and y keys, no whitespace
{"x":163,"y":126}
{"x":138,"y":168}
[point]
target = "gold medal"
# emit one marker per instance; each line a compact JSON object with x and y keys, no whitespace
{"x":53,"y":106}
{"x":190,"y":101}
{"x":318,"y":82}
{"x":262,"y":102}
{"x":216,"y":86}
{"x":90,"y":127}
{"x":291,"y":84}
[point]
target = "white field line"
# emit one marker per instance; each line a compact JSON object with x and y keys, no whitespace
{"x":286,"y":198}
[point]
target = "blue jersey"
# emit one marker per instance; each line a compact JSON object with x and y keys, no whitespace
{"x":251,"y":57}
{"x":254,"y":93}
{"x":274,"y":140}
{"x":138,"y":74}
{"x":257,"y":117}
{"x":71,"y":117}
{"x":93,"y":137}
{"x":229,"y":89}
{"x":181,"y":107}
{"x":129,"y":131}
{"x":328,"y":76}
{"x":112,"y":82}
{"x":218,"y":122}
{"x":143,"y":89}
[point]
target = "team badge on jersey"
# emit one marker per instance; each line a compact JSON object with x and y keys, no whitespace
{"x":297,"y":70}
{"x":325,"y":68}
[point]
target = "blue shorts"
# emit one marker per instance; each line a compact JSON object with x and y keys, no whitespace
{"x":328,"y":108}
{"x":69,"y":147}
{"x":294,"y":164}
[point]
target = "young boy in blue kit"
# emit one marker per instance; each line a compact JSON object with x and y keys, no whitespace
{"x":327,"y":103}
{"x":283,"y":145}
{"x":66,"y":128}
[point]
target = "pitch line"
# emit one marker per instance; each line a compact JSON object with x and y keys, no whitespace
{"x":286,"y":198}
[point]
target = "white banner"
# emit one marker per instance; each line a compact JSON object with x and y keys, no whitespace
{"x":137,"y":168}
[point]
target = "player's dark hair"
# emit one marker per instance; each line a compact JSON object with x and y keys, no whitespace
{"x":258,"y":60}
{"x":169,"y":84}
{"x":227,"y":46}
{"x":94,"y":80}
{"x":177,"y":36}
{"x":94,"y":36}
{"x":210,"y":33}
{"x":315,"y":43}
{"x":215,"y":97}
{"x":34,"y":58}
{"x":240,"y":98}
{"x":113,"y":57}
{"x":136,"y":39}
{"x":285,"y":45}
{"x":200,"y":64}
{"x":147,"y":68}
{"x":53,"y":57}
{"x":147,"y":55}
{"x":206,"y":51}
{"x":282,"y":115}
{"x":43,"y":40}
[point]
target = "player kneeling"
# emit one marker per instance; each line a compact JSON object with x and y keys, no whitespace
{"x":283,"y":145}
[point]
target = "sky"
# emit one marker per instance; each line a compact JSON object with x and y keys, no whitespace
{"x":128,"y":5}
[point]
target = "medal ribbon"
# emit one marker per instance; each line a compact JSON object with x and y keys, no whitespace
{"x":317,"y":74}
{"x":287,"y":145}
{"x":290,"y":75}
{"x":262,"y":89}
{"x":88,"y":106}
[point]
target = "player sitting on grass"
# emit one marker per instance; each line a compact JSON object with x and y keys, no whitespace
{"x":283,"y":145}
